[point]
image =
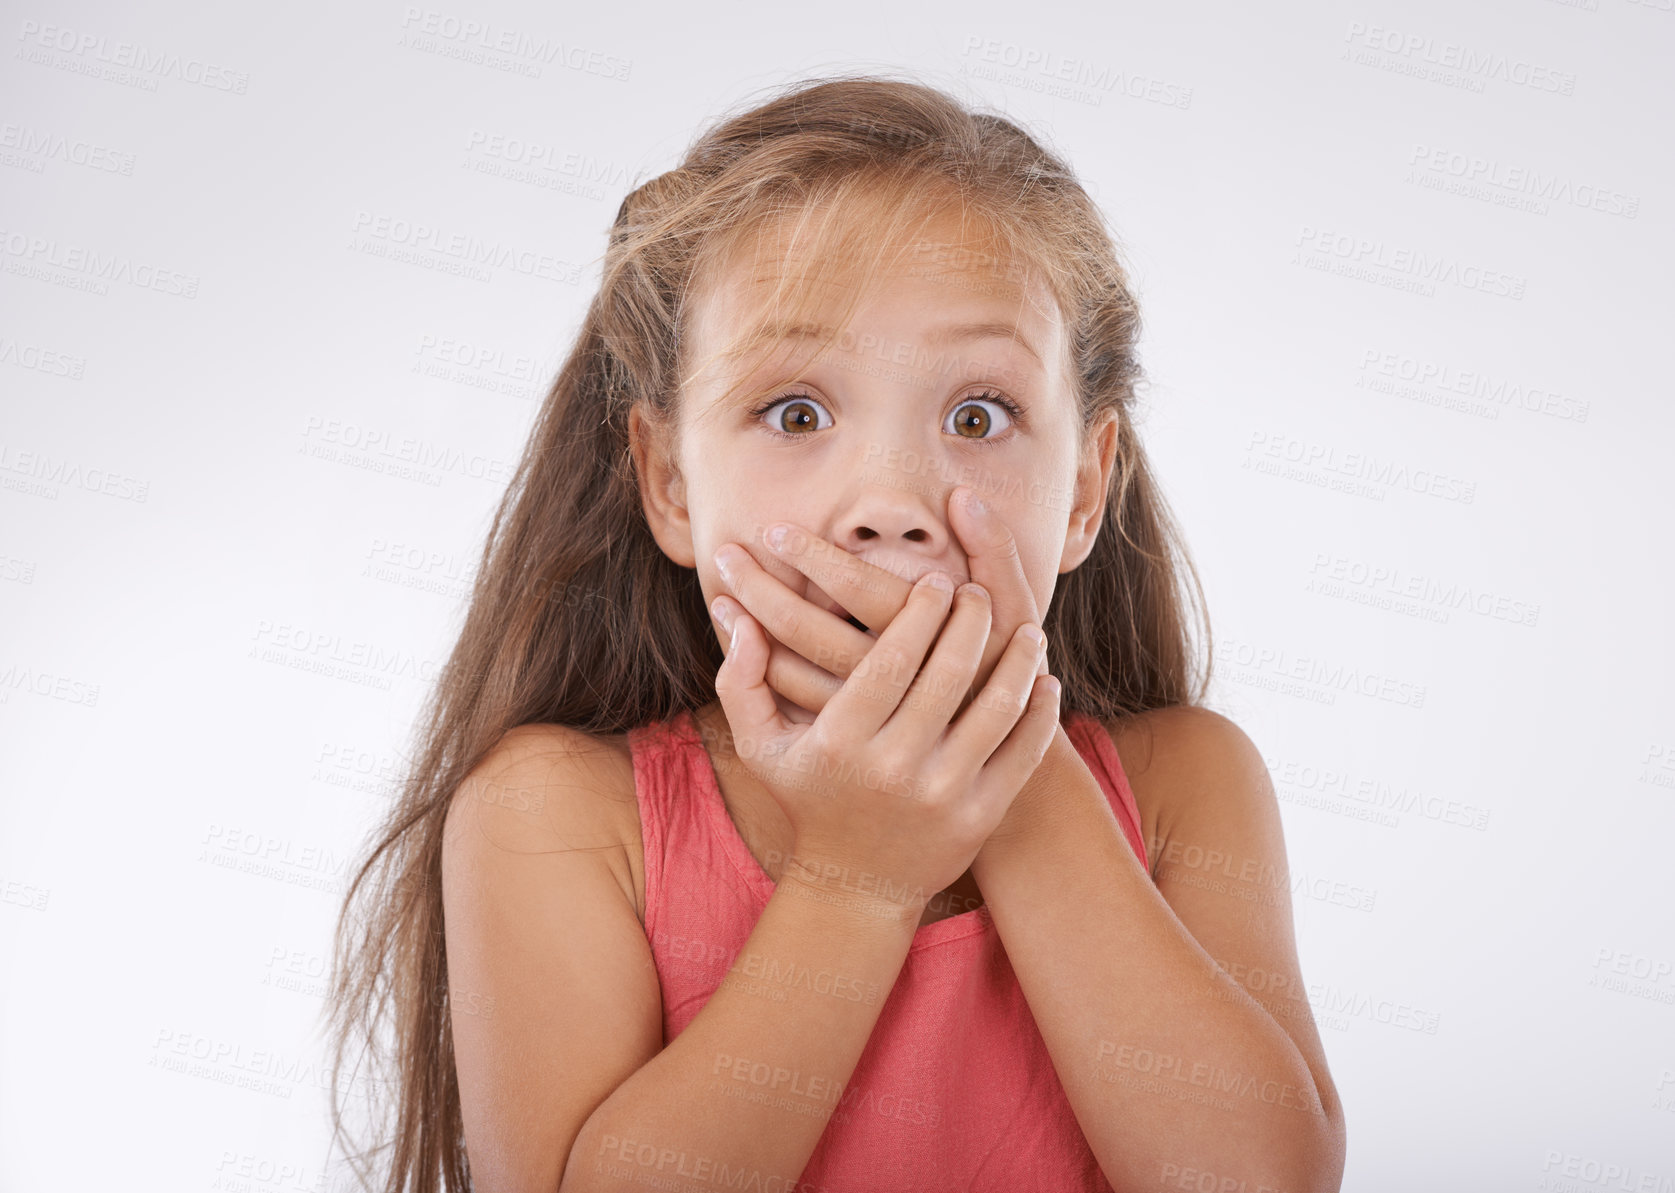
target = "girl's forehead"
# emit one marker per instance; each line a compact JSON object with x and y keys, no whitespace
{"x":905,"y":316}
{"x":838,"y":253}
{"x":911,"y":265}
{"x":758,"y":296}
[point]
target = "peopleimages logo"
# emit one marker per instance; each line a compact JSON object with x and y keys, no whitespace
{"x":1491,"y":174}
{"x":1051,"y":73}
{"x":1389,"y":580}
{"x":474,"y":41}
{"x":1422,"y":268}
{"x":1414,"y":377}
{"x":1473,"y":63}
{"x":148,"y":64}
{"x":1311,"y":677}
{"x":1357,"y":466}
{"x":30,"y":255}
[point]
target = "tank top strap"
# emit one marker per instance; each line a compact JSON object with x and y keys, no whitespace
{"x":689,"y":841}
{"x":656,"y":782}
{"x":1093,"y":743}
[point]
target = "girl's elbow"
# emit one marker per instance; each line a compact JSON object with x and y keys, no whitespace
{"x":1321,"y":1170}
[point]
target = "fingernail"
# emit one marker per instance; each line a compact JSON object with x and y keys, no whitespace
{"x":722,"y":613}
{"x":938,"y":581}
{"x":1033,"y":633}
{"x":775,"y":537}
{"x":974,"y":503}
{"x":724,"y":563}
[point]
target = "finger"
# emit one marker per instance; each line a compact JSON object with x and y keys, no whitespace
{"x":823,"y":638}
{"x":870,"y":593}
{"x":873,"y":691}
{"x":988,"y":719}
{"x":788,"y":673}
{"x":799,"y":680}
{"x":740,"y":686}
{"x":941,"y":686}
{"x":996,"y":564}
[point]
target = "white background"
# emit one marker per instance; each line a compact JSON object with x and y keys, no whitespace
{"x":1407,"y":329}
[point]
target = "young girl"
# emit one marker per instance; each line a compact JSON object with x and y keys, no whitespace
{"x":745,"y":863}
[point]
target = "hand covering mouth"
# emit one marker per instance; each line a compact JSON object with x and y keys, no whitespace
{"x":817,"y":596}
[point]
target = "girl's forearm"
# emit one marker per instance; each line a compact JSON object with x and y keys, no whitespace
{"x":742,"y":1096}
{"x":1167,"y":1062}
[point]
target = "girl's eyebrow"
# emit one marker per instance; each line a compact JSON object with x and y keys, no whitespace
{"x":947,"y":333}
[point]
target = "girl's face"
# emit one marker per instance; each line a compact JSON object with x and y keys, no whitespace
{"x":948,"y":374}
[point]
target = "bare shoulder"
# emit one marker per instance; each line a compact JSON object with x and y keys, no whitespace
{"x":1172,"y":757}
{"x":544,"y":786}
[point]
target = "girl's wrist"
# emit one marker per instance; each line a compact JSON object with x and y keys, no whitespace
{"x":871,"y":897}
{"x":1036,"y":804}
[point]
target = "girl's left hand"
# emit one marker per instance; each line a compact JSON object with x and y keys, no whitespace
{"x":814,"y":651}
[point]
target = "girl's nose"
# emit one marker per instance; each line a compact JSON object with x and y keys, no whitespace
{"x":892,"y":512}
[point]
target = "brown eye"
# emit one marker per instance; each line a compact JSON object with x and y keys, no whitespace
{"x":974,"y":418}
{"x":798,"y":416}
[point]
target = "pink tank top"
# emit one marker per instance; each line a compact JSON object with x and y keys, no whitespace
{"x":955,"y":1089}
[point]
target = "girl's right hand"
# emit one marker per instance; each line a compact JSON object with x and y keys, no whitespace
{"x":887,"y":800}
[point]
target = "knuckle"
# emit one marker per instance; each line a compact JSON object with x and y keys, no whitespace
{"x":939,"y":793}
{"x":967,"y":819}
{"x":886,"y":772}
{"x":787,"y":624}
{"x":1002,"y":698}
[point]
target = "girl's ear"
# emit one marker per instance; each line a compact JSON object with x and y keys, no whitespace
{"x":1093,"y":483}
{"x":662,"y":488}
